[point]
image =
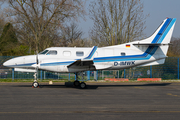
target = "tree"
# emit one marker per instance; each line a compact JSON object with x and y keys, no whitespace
{"x":7,"y":40}
{"x":39,"y":17}
{"x":71,"y":36}
{"x":174,"y":50}
{"x":2,"y":23}
{"x":116,"y":21}
{"x":9,"y":44}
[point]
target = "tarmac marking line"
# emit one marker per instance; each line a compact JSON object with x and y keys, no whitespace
{"x":58,"y":112}
{"x":172,"y":95}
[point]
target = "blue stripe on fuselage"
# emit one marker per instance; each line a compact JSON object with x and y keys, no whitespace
{"x":22,"y":65}
{"x":56,"y":63}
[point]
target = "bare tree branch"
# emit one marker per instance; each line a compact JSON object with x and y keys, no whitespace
{"x":39,"y":16}
{"x":116,"y":21}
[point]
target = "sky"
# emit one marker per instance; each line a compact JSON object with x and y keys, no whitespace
{"x":158,"y":10}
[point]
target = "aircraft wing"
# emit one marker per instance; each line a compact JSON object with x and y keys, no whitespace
{"x":80,"y":63}
{"x":86,"y":61}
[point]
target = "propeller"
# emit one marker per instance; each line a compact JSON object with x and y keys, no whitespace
{"x":37,"y":62}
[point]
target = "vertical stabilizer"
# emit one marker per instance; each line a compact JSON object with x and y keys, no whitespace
{"x":163,"y":33}
{"x":158,"y":44}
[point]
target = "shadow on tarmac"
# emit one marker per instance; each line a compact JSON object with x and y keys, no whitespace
{"x":70,"y":85}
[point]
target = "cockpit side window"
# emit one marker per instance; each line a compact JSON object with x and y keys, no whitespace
{"x":52,"y":52}
{"x":44,"y":52}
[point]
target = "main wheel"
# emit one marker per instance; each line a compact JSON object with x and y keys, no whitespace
{"x":35,"y":84}
{"x":82,"y":85}
{"x":76,"y":83}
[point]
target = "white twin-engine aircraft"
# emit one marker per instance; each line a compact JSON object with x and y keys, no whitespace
{"x":150,"y":51}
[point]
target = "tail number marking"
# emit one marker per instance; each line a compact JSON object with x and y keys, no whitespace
{"x":124,"y":63}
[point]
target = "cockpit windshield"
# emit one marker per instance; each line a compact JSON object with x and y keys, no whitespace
{"x":52,"y":52}
{"x":48,"y":52}
{"x":44,"y":52}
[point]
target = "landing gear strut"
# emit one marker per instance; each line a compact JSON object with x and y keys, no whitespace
{"x":35,"y":83}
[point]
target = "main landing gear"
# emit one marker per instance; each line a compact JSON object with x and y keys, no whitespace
{"x":77,"y":83}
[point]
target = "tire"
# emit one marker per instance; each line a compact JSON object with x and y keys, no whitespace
{"x":83,"y":85}
{"x":76,"y":83}
{"x":35,"y":84}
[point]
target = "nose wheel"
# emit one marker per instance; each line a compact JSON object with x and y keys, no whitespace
{"x":35,"y":85}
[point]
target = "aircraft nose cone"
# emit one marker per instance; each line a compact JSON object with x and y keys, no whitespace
{"x":7,"y":63}
{"x":23,"y":61}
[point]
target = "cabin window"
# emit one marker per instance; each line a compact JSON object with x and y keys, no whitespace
{"x":44,"y":52}
{"x":123,"y":54}
{"x":67,"y":53}
{"x":79,"y":53}
{"x":52,"y":52}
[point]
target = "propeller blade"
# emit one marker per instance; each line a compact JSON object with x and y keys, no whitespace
{"x":37,"y":62}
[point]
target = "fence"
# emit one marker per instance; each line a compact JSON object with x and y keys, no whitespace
{"x":168,"y":70}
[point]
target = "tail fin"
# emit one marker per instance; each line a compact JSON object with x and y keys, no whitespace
{"x":163,"y":34}
{"x":157,"y":45}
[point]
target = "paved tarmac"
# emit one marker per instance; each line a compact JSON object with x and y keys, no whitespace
{"x":99,"y":101}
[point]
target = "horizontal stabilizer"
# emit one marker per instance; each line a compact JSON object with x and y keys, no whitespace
{"x":151,"y":44}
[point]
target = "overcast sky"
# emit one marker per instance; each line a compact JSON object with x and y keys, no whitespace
{"x":158,"y":10}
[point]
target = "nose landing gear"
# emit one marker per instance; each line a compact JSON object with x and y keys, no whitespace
{"x":35,"y":84}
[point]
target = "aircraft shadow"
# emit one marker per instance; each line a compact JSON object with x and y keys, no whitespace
{"x":141,"y":85}
{"x":70,"y":85}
